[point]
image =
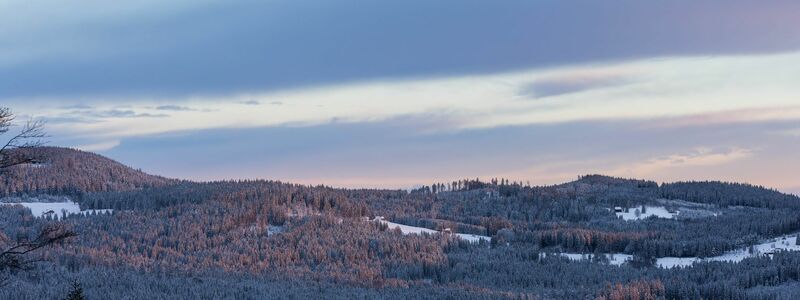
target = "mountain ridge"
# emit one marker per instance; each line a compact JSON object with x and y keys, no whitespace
{"x":89,"y":172}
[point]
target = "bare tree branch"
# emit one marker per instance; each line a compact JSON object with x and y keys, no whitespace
{"x":50,"y":234}
{"x":14,"y":258}
{"x":30,"y":136}
{"x":16,"y":151}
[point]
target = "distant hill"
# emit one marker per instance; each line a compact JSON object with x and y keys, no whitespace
{"x":710,"y":192}
{"x":596,"y":179}
{"x":70,"y":171}
{"x":727,"y":194}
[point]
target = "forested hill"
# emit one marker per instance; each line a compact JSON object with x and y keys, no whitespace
{"x":727,"y":194}
{"x":598,"y":237}
{"x":70,"y":171}
{"x":708,"y":192}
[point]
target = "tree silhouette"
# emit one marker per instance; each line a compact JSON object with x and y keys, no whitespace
{"x":29,"y":136}
{"x":76,"y":293}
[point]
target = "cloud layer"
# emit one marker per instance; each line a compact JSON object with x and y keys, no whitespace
{"x":679,"y":91}
{"x":361,"y":93}
{"x":152,"y":49}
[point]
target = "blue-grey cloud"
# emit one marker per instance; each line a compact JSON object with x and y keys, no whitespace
{"x":174,"y":108}
{"x":69,"y":119}
{"x":93,"y":116}
{"x":560,"y":86}
{"x":119,"y":113}
{"x":77,"y":106}
{"x":230,"y":47}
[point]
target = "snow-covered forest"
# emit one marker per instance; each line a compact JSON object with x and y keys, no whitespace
{"x":148,"y":237}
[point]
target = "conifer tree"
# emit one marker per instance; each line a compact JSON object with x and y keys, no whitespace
{"x":76,"y":293}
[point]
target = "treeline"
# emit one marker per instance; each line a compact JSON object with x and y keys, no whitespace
{"x":624,"y":192}
{"x":346,"y":202}
{"x":729,"y":194}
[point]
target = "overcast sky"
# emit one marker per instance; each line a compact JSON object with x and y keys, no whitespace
{"x":402,"y":93}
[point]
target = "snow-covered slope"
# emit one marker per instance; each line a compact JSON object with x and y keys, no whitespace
{"x":769,"y":247}
{"x":57,"y":209}
{"x":615,"y":259}
{"x":783,"y":243}
{"x":405,"y":229}
{"x":644,"y":212}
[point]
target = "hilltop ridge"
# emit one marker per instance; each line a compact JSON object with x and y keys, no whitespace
{"x":70,"y":171}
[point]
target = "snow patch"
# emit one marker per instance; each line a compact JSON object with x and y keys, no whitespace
{"x":272,"y":230}
{"x":615,"y":259}
{"x":405,"y":229}
{"x":769,"y":247}
{"x":473,"y":238}
{"x":644,"y":212}
{"x":57,"y":209}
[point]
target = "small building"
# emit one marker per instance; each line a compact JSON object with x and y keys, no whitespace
{"x":617,"y":209}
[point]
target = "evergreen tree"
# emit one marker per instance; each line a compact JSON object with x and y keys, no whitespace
{"x":76,"y":293}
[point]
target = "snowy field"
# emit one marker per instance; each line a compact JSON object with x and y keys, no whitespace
{"x":474,"y":238}
{"x":39,"y":209}
{"x":405,"y":229}
{"x":272,"y":230}
{"x":644,"y":212}
{"x":783,"y":243}
{"x":615,"y":259}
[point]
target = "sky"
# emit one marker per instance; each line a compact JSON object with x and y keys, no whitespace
{"x":399,"y":94}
